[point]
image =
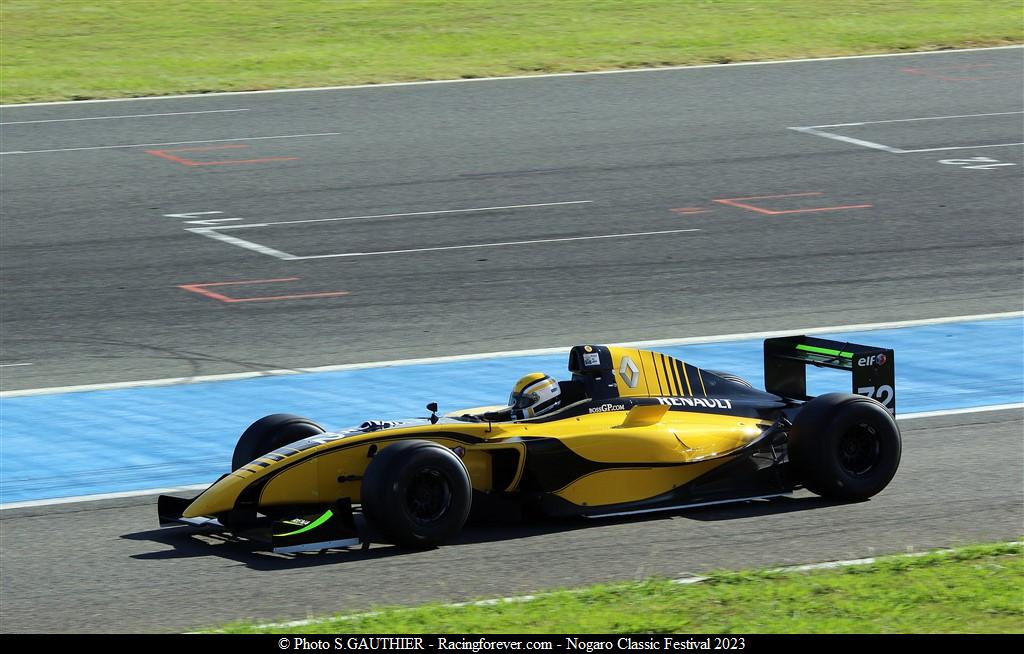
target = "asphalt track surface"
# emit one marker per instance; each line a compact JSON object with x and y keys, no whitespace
{"x":92,"y":266}
{"x":92,"y":270}
{"x":103,"y":567}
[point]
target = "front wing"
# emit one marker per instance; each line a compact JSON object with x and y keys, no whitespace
{"x":331,"y":527}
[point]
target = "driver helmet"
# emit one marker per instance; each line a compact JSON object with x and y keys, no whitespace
{"x":534,"y":395}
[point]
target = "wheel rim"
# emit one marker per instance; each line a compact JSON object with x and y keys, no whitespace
{"x":428,"y":496}
{"x":860,"y":450}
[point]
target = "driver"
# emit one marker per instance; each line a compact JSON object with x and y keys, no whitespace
{"x":533,"y":395}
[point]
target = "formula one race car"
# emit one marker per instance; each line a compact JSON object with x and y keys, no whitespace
{"x":633,"y":431}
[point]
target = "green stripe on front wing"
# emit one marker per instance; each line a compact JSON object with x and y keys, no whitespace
{"x":311,"y":526}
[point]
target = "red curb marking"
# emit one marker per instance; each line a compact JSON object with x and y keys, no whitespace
{"x":201,"y":289}
{"x":686,"y":211}
{"x":165,"y":154}
{"x":735,"y":202}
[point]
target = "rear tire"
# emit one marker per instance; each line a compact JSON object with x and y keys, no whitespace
{"x":844,"y":446}
{"x":269,"y":433}
{"x":416,"y":493}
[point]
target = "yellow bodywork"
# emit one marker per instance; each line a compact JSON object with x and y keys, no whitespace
{"x":644,"y":373}
{"x":653,"y":450}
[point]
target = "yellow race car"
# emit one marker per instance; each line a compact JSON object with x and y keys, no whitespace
{"x":632,"y":431}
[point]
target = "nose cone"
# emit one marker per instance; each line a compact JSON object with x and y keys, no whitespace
{"x":220,"y":497}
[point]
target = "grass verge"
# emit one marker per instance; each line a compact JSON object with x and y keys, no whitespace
{"x":974,"y":589}
{"x":73,"y":49}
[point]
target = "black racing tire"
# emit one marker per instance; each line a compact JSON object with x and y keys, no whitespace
{"x":269,"y":433}
{"x":845,"y":447}
{"x":728,"y":376}
{"x":416,"y":493}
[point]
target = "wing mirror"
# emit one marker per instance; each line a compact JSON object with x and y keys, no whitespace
{"x":432,"y":408}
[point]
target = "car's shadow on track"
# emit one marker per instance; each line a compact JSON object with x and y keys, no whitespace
{"x":188,"y":542}
{"x":757,"y":508}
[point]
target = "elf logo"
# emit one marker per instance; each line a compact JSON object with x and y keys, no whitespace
{"x":873,"y":360}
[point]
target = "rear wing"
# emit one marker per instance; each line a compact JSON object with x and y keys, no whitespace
{"x":786,"y":360}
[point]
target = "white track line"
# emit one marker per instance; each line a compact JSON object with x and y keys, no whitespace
{"x":215,"y":232}
{"x":402,"y":215}
{"x":957,"y":412}
{"x":521,"y":77}
{"x":964,"y":147}
{"x":910,"y":120}
{"x":13,"y":365}
{"x":493,"y":245}
{"x":888,"y":148}
{"x":695,"y":340}
{"x":817,"y":130}
{"x":173,"y":113}
{"x":832,"y":565}
{"x":848,"y":139}
{"x":103,"y":496}
{"x":211,"y":232}
{"x":864,"y":327}
{"x":149,"y":145}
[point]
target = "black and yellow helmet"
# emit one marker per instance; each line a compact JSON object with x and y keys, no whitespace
{"x":534,"y":395}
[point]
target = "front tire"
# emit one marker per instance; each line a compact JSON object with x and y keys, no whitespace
{"x":845,"y":447}
{"x":269,"y":433}
{"x":417,"y":493}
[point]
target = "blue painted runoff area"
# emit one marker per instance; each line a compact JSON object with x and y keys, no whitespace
{"x":72,"y":444}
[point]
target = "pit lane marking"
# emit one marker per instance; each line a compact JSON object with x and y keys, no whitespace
{"x":737,"y":202}
{"x":976,"y":163}
{"x":191,"y":218}
{"x":215,"y":232}
{"x":687,"y":211}
{"x":494,"y":245}
{"x":395,"y":215}
{"x":203,"y":289}
{"x":911,"y":120}
{"x":965,"y":147}
{"x":167,"y":154}
{"x":210,"y":232}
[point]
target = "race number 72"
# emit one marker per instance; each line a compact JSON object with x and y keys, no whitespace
{"x":884,"y":394}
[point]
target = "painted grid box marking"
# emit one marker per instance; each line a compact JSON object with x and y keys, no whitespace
{"x":928,"y":134}
{"x":227,"y":233}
